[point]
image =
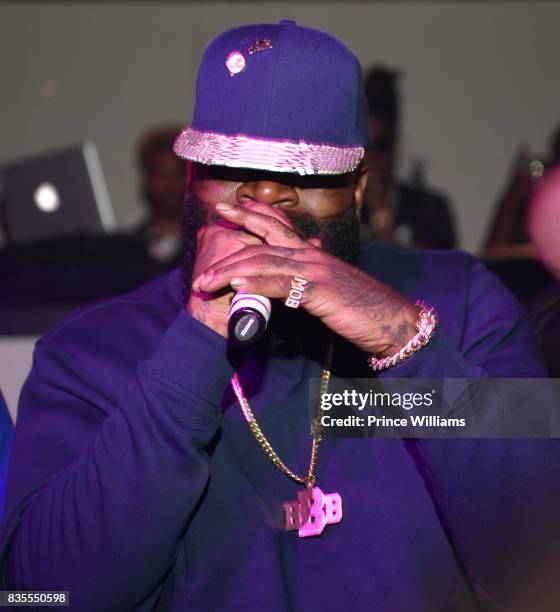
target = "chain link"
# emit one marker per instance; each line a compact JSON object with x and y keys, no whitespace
{"x":309,"y":480}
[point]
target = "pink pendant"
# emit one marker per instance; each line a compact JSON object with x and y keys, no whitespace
{"x":312,"y":511}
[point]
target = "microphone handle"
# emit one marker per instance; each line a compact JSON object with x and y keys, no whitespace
{"x":248,"y":318}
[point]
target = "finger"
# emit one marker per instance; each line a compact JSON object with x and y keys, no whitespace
{"x":260,"y":207}
{"x":227,"y":224}
{"x":275,"y":286}
{"x":249,"y":240}
{"x":268,"y":227}
{"x":260,"y":265}
{"x":221,"y":228}
{"x":266,"y":209}
{"x":309,"y":255}
{"x":226,"y":228}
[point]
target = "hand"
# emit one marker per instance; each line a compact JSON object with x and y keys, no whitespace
{"x":366,"y":312}
{"x":214,"y":242}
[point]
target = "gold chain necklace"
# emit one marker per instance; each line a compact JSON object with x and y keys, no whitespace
{"x":313,"y":509}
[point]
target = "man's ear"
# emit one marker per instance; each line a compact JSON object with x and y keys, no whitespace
{"x":362,"y":175}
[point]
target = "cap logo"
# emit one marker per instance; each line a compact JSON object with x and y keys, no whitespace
{"x":260,"y":45}
{"x":235,"y":62}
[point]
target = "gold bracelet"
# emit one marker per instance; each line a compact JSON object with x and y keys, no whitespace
{"x":425,"y":326}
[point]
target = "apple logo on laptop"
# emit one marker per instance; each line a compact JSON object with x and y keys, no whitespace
{"x":47,"y":198}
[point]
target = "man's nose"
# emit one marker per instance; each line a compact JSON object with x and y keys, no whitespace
{"x":269,"y":192}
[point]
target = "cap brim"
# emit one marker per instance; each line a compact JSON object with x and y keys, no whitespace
{"x":239,"y":151}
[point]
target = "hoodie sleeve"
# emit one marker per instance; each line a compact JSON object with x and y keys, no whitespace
{"x":498,"y":499}
{"x":113,"y":490}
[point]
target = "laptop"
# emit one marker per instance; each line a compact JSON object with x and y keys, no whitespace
{"x":54,"y":195}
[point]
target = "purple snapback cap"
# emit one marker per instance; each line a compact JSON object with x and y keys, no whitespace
{"x":278,"y":97}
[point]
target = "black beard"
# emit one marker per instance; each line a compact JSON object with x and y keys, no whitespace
{"x":290,"y":331}
{"x":193,"y":217}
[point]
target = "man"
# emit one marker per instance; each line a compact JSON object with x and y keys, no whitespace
{"x":508,"y":228}
{"x":408,"y":214}
{"x":163,"y":179}
{"x":136,"y":482}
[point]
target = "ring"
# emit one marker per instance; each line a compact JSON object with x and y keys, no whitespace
{"x":296,"y":292}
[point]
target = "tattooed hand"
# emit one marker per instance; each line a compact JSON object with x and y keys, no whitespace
{"x":214,"y":242}
{"x":366,"y":312}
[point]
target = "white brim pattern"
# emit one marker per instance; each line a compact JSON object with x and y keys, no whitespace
{"x":238,"y":151}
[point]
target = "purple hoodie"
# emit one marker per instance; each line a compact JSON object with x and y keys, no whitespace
{"x":135,"y":483}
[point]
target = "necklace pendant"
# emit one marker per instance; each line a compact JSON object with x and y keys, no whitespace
{"x":312,"y":512}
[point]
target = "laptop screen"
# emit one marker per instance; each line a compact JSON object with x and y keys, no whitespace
{"x":55,"y":195}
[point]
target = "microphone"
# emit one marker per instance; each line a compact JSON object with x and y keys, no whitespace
{"x":248,"y":317}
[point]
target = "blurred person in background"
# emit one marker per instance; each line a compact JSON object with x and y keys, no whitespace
{"x":508,"y":250}
{"x":407,"y":214}
{"x":507,"y":233}
{"x":543,"y":228}
{"x":163,"y":180}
